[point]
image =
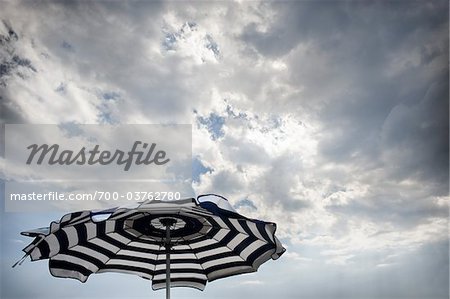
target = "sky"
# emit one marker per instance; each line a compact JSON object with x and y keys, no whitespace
{"x":329,"y":118}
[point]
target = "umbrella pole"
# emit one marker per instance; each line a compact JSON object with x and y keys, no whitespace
{"x":167,"y":222}
{"x":167,"y":262}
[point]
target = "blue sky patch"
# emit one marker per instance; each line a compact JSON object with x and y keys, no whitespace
{"x":198,"y":169}
{"x":214,"y":124}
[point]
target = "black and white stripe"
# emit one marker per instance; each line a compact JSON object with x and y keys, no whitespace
{"x":207,"y":243}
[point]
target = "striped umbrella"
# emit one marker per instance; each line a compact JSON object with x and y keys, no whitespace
{"x":182,"y":243}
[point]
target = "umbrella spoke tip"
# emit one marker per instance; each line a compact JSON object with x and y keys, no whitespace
{"x":168,"y":221}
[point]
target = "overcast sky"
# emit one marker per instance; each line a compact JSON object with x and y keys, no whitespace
{"x":329,"y":118}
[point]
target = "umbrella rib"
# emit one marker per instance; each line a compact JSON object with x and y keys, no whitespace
{"x":154,"y":267}
{"x":208,"y":243}
{"x":226,"y":228}
{"x":108,"y":258}
{"x":126,"y":244}
{"x":115,"y":253}
{"x":195,"y":254}
{"x":205,"y":221}
{"x":87,"y":239}
{"x":226,"y":246}
{"x":79,"y":222}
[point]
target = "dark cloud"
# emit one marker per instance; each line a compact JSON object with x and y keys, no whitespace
{"x":276,"y":183}
{"x":227,"y":183}
{"x":361,"y":63}
{"x":332,"y":24}
{"x":297,"y":22}
{"x":392,"y":206}
{"x":350,"y":46}
{"x":9,"y":111}
{"x":11,"y":65}
{"x":415,"y":138}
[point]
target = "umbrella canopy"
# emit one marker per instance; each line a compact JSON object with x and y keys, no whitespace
{"x":182,"y":243}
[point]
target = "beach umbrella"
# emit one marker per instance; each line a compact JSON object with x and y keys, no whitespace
{"x":182,"y":243}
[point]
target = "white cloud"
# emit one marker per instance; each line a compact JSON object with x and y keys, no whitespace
{"x":251,"y":282}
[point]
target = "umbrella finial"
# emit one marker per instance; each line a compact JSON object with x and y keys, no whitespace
{"x":168,"y":222}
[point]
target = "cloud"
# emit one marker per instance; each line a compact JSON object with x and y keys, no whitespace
{"x":415,"y":135}
{"x":252,"y":282}
{"x":330,"y":118}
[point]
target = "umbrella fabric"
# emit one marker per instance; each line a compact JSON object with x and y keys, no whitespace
{"x":207,"y":242}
